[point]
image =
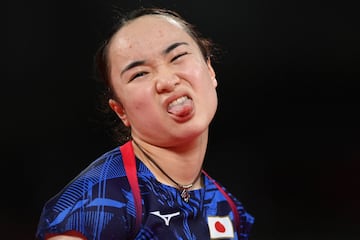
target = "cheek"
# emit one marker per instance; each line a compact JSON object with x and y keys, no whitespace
{"x":204,"y":79}
{"x":196,"y":72}
{"x":137,"y":100}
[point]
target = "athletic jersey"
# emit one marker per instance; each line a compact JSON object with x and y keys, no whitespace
{"x":99,"y":204}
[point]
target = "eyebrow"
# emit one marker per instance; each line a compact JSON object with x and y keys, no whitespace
{"x":173,"y":46}
{"x":132,"y":65}
{"x":141,"y":62}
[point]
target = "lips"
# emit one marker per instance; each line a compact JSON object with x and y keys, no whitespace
{"x":181,"y":106}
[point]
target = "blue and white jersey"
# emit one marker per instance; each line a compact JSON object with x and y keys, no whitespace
{"x":99,"y":205}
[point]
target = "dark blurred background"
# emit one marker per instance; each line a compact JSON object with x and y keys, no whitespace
{"x":285,"y":139}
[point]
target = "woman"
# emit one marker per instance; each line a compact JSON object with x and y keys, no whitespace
{"x":162,"y":87}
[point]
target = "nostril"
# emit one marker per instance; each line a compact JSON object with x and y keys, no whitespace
{"x":166,"y":85}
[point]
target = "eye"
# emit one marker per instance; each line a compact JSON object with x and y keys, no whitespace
{"x":178,"y":56}
{"x":137,"y":75}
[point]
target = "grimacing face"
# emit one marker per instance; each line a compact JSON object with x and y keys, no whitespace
{"x":165,"y":90}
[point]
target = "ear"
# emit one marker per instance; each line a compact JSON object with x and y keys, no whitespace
{"x":119,"y":110}
{"x":212,"y":72}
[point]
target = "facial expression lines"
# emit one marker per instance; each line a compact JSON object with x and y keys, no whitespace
{"x":161,"y":79}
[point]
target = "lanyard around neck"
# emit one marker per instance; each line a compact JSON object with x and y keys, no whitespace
{"x":128,"y":155}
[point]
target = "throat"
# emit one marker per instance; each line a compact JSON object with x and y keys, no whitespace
{"x":183,"y":188}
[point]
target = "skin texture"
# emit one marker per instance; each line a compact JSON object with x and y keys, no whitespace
{"x":175,"y":139}
{"x":145,"y":99}
{"x":155,"y":64}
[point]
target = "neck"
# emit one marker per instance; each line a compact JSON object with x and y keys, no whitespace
{"x":178,"y":164}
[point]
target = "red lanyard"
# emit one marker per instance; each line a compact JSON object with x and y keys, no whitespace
{"x":127,"y":152}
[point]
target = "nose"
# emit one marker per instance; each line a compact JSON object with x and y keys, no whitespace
{"x":166,"y":80}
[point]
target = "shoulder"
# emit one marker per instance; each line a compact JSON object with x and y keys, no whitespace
{"x":221,"y":197}
{"x":103,"y":169}
{"x":107,"y":166}
{"x":101,"y":189}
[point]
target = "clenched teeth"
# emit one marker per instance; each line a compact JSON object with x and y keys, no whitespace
{"x":178,"y":101}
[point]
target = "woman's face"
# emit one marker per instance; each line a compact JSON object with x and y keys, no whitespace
{"x":165,"y":90}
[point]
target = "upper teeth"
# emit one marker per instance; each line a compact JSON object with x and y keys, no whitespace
{"x":178,"y":101}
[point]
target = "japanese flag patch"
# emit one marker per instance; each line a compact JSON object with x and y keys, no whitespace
{"x":220,"y":227}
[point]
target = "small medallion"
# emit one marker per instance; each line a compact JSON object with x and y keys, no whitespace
{"x":185,"y":195}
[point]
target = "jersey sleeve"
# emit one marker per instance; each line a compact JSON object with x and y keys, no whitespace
{"x":94,"y":203}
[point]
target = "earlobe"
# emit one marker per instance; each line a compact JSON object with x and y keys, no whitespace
{"x":212,"y":72}
{"x":119,"y":110}
{"x":215,"y":82}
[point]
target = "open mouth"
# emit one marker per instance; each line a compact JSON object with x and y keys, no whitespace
{"x":181,"y":106}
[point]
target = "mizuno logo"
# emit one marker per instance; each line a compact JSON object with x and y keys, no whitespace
{"x":165,"y":217}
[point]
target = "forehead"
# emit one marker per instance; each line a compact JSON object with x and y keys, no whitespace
{"x":148,"y":33}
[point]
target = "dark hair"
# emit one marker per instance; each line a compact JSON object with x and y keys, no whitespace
{"x":119,"y":131}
